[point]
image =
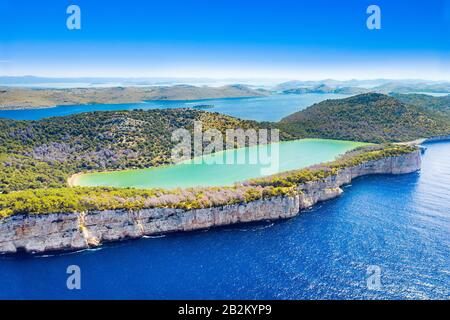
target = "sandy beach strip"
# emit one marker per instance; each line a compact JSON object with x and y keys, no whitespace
{"x":71,"y":181}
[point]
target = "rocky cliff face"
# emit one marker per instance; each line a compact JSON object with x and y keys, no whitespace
{"x":328,"y":188}
{"x":69,"y":231}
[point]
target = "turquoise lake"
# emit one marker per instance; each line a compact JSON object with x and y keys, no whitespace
{"x":213,"y":170}
{"x":399,"y":224}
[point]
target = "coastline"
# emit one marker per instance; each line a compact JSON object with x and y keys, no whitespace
{"x":71,"y":181}
{"x":439,"y":138}
{"x":424,"y":140}
{"x":39,"y":233}
{"x":23,"y":98}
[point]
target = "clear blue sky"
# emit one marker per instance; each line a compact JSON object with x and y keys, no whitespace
{"x":311,"y":39}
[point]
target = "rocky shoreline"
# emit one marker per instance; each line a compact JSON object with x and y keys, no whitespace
{"x":75,"y":231}
{"x":425,"y":140}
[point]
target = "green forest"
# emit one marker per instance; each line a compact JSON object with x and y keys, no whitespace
{"x":82,"y":199}
{"x":37,"y":157}
{"x":368,"y":117}
{"x":42,"y":154}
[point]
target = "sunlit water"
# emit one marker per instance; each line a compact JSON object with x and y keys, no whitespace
{"x":225,"y":168}
{"x":270,"y":108}
{"x":399,"y":223}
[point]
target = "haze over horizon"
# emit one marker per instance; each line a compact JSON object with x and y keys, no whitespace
{"x":313,"y":40}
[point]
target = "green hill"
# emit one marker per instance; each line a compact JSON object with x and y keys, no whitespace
{"x":37,"y":154}
{"x":439,"y":104}
{"x":44,"y":153}
{"x":370,"y":117}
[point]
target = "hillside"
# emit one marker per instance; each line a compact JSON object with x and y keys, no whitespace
{"x":440,"y":104}
{"x":368,"y":117}
{"x":399,"y":87}
{"x":326,"y":89}
{"x":36,"y":154}
{"x":364,"y":86}
{"x":24,"y":98}
{"x":44,"y":153}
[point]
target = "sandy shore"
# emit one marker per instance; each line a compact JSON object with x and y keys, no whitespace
{"x":71,"y":181}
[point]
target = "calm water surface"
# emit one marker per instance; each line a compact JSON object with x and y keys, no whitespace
{"x":213,"y":170}
{"x":271,"y":108}
{"x":398,"y":223}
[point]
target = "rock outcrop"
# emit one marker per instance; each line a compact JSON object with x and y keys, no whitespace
{"x":74,"y":231}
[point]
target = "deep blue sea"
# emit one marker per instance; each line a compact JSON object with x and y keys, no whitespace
{"x":270,"y":108}
{"x":399,"y":225}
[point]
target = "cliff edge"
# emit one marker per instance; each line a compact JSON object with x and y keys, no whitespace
{"x":74,"y":231}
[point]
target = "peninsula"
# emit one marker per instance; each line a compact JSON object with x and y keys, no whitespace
{"x":79,"y":218}
{"x":41,"y":213}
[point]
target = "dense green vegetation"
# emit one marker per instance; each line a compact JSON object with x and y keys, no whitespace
{"x":40,"y":154}
{"x":18,"y":172}
{"x":43,"y":154}
{"x":367,"y":117}
{"x":440,"y":105}
{"x":66,"y":200}
{"x":69,"y":200}
{"x":37,"y":157}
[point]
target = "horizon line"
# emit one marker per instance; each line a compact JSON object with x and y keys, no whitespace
{"x":224,"y":78}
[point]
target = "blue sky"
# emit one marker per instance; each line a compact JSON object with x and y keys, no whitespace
{"x":286,"y":39}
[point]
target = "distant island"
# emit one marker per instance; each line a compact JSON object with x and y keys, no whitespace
{"x":18,"y":96}
{"x":322,"y":88}
{"x":364,"y":86}
{"x":27,"y":98}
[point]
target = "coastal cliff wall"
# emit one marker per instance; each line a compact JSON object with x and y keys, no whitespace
{"x":74,"y":231}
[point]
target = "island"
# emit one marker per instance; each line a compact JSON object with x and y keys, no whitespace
{"x":40,"y":212}
{"x":29,"y":98}
{"x":37,"y":221}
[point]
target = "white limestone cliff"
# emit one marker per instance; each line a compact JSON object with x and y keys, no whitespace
{"x":74,"y":231}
